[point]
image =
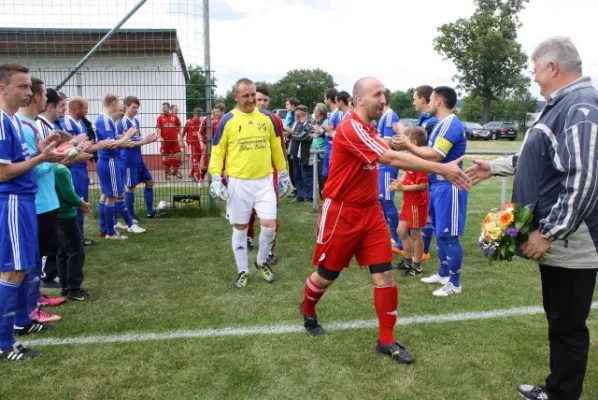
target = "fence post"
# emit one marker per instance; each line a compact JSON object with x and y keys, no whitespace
{"x":208,"y":83}
{"x":315,"y":186}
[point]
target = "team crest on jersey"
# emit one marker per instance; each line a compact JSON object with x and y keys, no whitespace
{"x":261,"y":126}
{"x":322,"y":257}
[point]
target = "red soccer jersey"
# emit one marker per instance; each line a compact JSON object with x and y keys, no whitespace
{"x":168,"y":125}
{"x":191,"y":129}
{"x":419,"y":198}
{"x":353,"y":170}
{"x":279,"y":126}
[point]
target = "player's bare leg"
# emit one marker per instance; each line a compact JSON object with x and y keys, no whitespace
{"x":315,"y":287}
{"x":166,"y":163}
{"x":239,"y":243}
{"x":267,"y":237}
{"x":176,"y":162}
{"x":386,"y":299}
{"x":418,"y":252}
{"x":403,"y":232}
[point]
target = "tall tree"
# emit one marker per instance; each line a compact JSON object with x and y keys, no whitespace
{"x":195,"y":89}
{"x":402,"y":103}
{"x":484,"y":48}
{"x":307,"y":85}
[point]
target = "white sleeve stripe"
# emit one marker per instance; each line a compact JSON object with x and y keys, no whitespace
{"x":367,"y":139}
{"x":2,"y":161}
{"x":2,"y":134}
{"x":352,"y":145}
{"x":445,"y":127}
{"x":439,"y":151}
{"x":548,"y":132}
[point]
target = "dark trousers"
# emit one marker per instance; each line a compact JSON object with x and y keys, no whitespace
{"x":307,"y":172}
{"x":297,"y":171}
{"x":567,"y":295}
{"x":291,"y":169}
{"x":71,"y":254}
{"x":321,"y":178}
{"x":49,"y":268}
{"x":48,"y":243}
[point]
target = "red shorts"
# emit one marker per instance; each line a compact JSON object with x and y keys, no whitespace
{"x":415,"y":216}
{"x":170,"y":146}
{"x":346,"y":231}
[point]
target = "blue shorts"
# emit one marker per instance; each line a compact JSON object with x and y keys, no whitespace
{"x":133,"y":175}
{"x":81,"y":181}
{"x":326,"y":162}
{"x":18,"y":233}
{"x":385,"y":175}
{"x":111,"y":177}
{"x":448,"y":209}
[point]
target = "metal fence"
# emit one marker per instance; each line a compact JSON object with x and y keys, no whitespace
{"x":503,"y":193}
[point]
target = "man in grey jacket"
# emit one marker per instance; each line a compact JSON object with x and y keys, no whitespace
{"x":556,"y":171}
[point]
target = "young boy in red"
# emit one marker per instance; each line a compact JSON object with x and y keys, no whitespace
{"x":414,"y":212}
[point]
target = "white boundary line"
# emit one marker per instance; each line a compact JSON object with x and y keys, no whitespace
{"x":280,"y":329}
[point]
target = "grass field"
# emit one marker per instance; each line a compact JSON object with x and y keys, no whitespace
{"x":178,"y":276}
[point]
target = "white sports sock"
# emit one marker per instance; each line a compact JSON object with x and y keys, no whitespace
{"x":267,"y":236}
{"x":240,"y":249}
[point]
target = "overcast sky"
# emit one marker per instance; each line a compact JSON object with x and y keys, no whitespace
{"x":263,"y":39}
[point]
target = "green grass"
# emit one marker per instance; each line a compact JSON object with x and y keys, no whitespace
{"x":178,"y":276}
{"x":495,"y":145}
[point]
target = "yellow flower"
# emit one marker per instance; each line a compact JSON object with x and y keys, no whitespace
{"x":489,"y":226}
{"x":505,"y":219}
{"x":495,"y":233}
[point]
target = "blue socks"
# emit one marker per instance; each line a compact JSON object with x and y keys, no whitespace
{"x":8,"y":306}
{"x":130,"y":202}
{"x":122,"y":209}
{"x":110,"y":215}
{"x":101,"y":216}
{"x":443,"y":267}
{"x":453,"y":252}
{"x":392,"y":218}
{"x":22,"y":313}
{"x":148,"y":195}
{"x":427,"y":235}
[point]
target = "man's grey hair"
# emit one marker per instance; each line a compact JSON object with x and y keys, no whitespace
{"x":559,"y":50}
{"x":322,"y":109}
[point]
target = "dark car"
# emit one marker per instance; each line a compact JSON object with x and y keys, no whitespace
{"x":409,"y":122}
{"x":473,"y":130}
{"x":502,"y":130}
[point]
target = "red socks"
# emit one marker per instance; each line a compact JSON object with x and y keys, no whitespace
{"x":176,"y":164}
{"x":386,"y":300}
{"x":313,"y":293}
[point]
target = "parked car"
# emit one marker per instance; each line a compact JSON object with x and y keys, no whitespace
{"x":473,"y":130}
{"x":408,"y":122}
{"x":502,"y":130}
{"x":281,"y":112}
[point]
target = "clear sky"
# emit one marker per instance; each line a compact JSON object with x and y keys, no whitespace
{"x":263,"y":39}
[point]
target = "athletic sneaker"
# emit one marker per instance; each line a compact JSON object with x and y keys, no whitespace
{"x":398,"y":251}
{"x":120,"y":226}
{"x":18,"y":353}
{"x":532,"y":392}
{"x":116,"y":236}
{"x":88,"y":242}
{"x":167,"y":176}
{"x":193,"y":179}
{"x":272,"y":259}
{"x":80,"y":295}
{"x":266,"y":272}
{"x":448,"y":290}
{"x":179,"y":175}
{"x":397,"y":351}
{"x":435,"y":278}
{"x":401,"y":266}
{"x":101,"y":234}
{"x":43,"y":317}
{"x":33,"y":327}
{"x":426,"y":256}
{"x":310,"y":322}
{"x":241,"y":280}
{"x":50,"y":284}
{"x":249,"y":243}
{"x":413,"y":271}
{"x":135,"y":229}
{"x":154,"y":215}
{"x":137,"y":221}
{"x":44,"y":300}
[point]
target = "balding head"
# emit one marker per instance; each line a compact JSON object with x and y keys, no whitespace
{"x":78,"y":107}
{"x":368,"y":99}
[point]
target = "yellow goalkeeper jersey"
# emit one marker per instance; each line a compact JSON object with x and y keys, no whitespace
{"x":247,"y":145}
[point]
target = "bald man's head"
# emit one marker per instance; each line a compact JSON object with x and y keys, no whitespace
{"x":78,"y":107}
{"x":368,"y":98}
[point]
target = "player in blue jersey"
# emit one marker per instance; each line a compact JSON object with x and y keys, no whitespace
{"x":342,"y":112}
{"x":330,"y":101}
{"x":448,"y":205}
{"x":387,"y":174}
{"x":135,"y":170}
{"x":109,"y":169}
{"x":19,"y":250}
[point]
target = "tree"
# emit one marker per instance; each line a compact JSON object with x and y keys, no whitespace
{"x":514,"y":108}
{"x":307,"y":85}
{"x":402,"y":103}
{"x":484,"y":48}
{"x":195,"y":89}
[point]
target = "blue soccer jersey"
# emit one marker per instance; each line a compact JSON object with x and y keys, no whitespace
{"x":74,"y":127}
{"x":106,"y":129}
{"x":130,"y":156}
{"x":13,"y":149}
{"x":387,"y":173}
{"x":448,"y":139}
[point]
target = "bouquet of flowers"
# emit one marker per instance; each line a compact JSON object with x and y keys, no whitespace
{"x":504,"y":230}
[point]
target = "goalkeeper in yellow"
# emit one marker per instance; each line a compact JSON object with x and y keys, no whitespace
{"x":247,"y":145}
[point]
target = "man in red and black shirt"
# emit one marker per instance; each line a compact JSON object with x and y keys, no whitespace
{"x":351,"y":220}
{"x":168,"y":129}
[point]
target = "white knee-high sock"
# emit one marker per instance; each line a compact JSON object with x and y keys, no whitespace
{"x":239,"y":243}
{"x":267,"y":236}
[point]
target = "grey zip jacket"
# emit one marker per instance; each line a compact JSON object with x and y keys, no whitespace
{"x":556,"y":171}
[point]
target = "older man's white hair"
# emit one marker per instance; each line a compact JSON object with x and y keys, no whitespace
{"x":558,"y":50}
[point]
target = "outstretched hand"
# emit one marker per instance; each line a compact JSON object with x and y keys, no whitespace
{"x":455,"y":175}
{"x":479,"y":171}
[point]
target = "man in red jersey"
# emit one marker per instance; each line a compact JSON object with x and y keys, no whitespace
{"x":217,"y":112}
{"x":351,"y":220}
{"x":262,"y":100}
{"x":168,"y":128}
{"x":191,"y":134}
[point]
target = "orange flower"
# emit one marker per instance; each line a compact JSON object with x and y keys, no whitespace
{"x":507,"y":206}
{"x":488,"y":219}
{"x":505,"y":219}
